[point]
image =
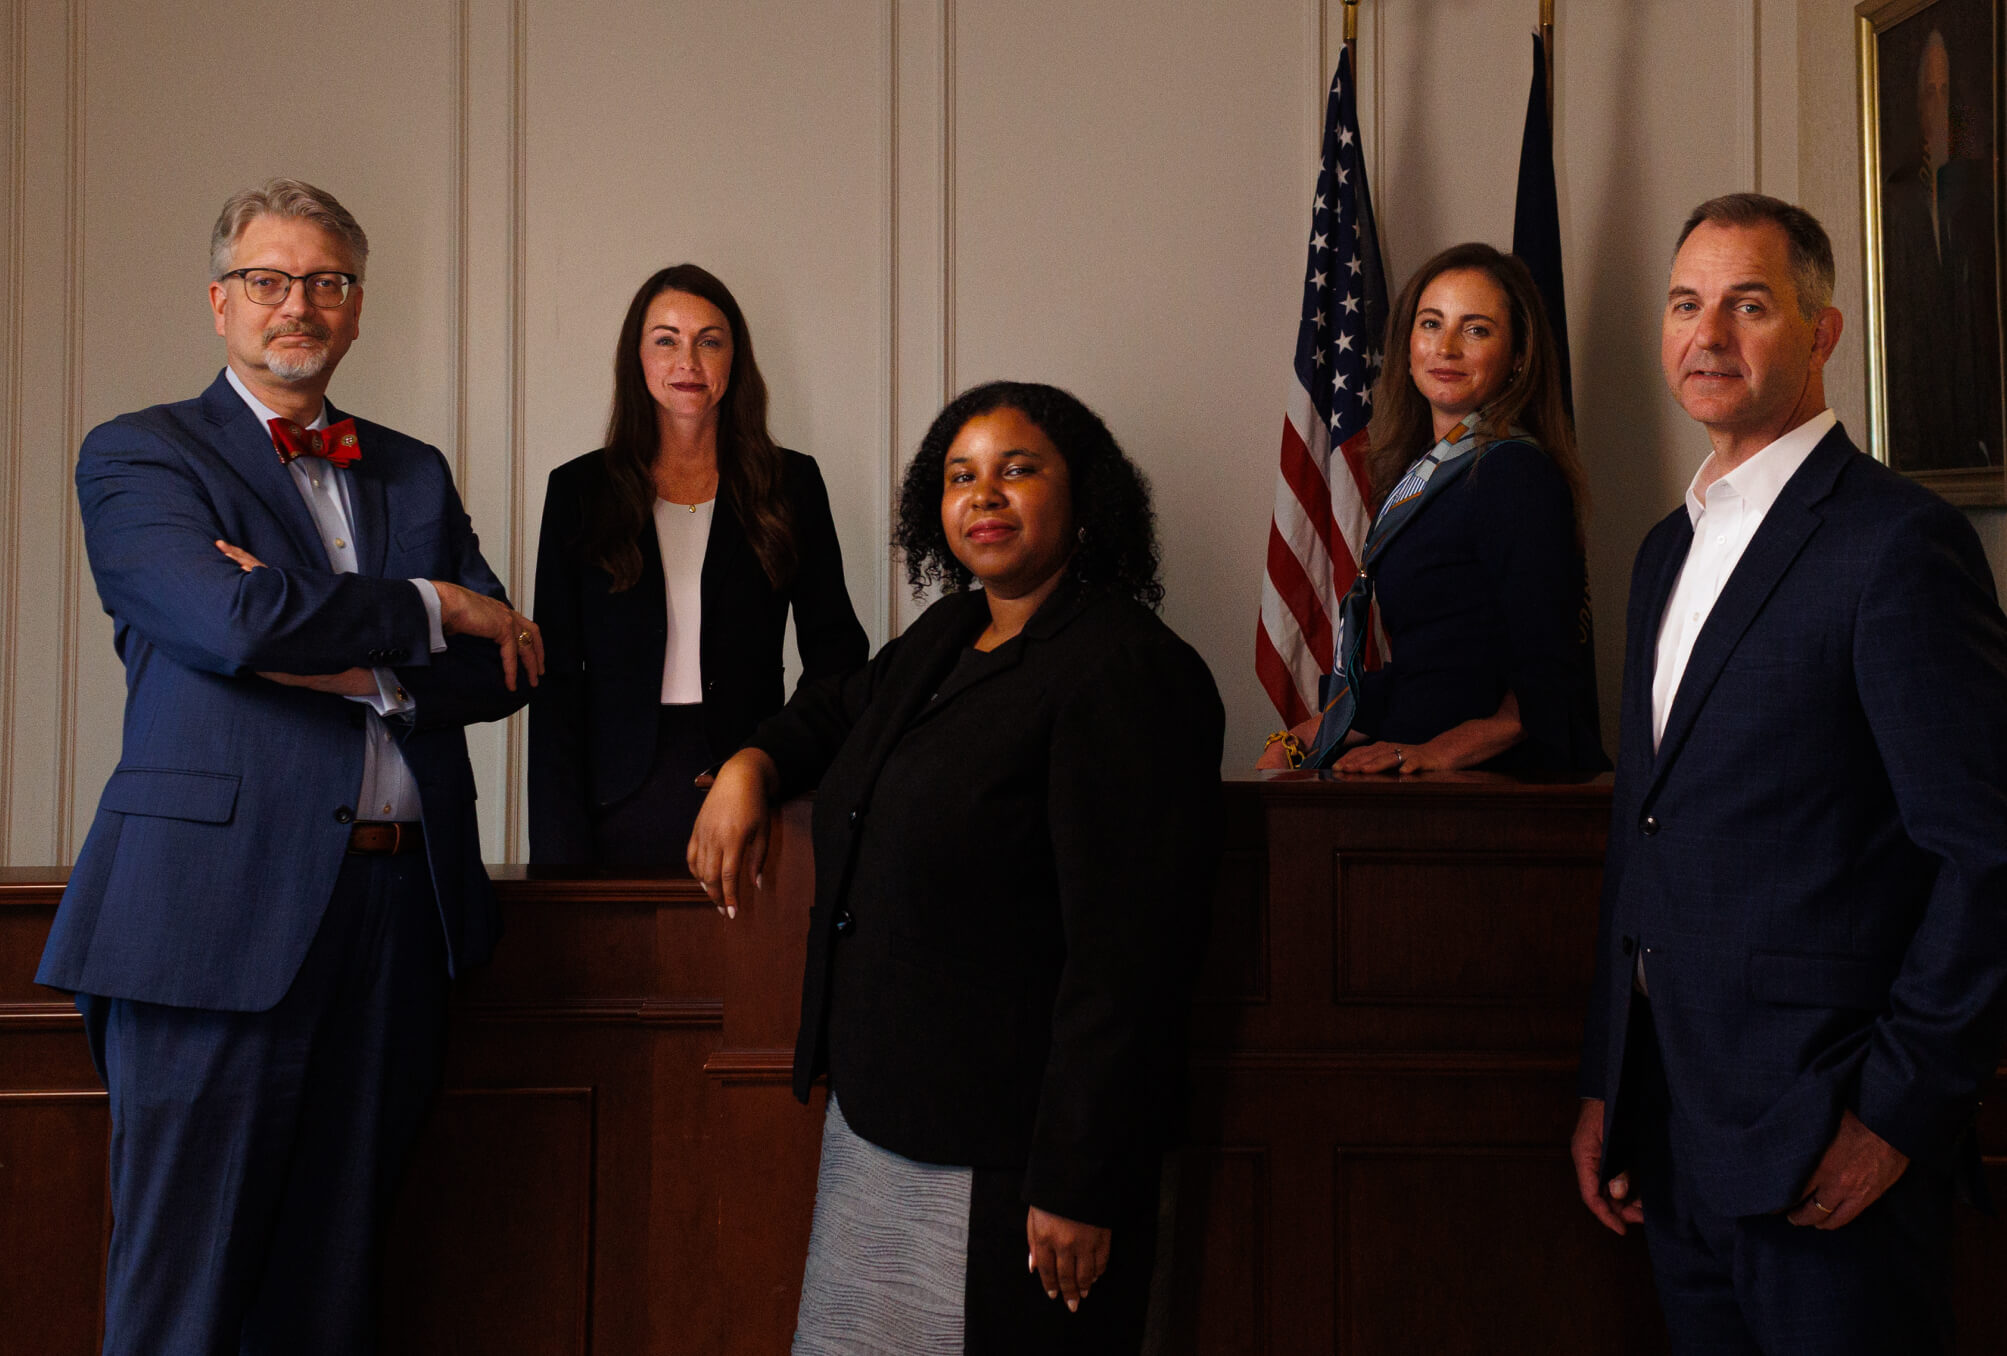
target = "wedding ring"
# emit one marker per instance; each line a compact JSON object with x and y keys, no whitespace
{"x":1822,"y":1209}
{"x":522,"y":637}
{"x":1400,"y":756}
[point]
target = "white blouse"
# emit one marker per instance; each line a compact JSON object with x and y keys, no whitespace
{"x":682,"y":530}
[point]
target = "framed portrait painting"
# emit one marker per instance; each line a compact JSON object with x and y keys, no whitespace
{"x":1931,"y":137}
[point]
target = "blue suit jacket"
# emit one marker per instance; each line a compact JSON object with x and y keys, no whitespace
{"x":218,"y":838}
{"x":1815,"y":860}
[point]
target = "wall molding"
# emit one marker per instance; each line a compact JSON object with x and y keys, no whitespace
{"x":457,"y":324}
{"x":888,"y":576}
{"x":514,"y":828}
{"x":921,"y":245}
{"x":16,"y":22}
{"x":1749,"y":86}
{"x":948,"y":377}
{"x":72,"y":548}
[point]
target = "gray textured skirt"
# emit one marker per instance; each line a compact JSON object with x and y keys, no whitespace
{"x":887,"y":1255}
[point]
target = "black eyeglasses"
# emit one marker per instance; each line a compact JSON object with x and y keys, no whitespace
{"x":270,"y":286}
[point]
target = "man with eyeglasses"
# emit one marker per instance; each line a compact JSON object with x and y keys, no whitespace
{"x":284,"y":867}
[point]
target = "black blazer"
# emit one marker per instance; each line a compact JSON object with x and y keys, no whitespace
{"x":592,"y":722}
{"x":1014,"y":855}
{"x":1485,"y":592}
{"x":1815,"y":857}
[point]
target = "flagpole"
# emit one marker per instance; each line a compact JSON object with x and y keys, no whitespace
{"x":1352,"y":32}
{"x":1547,"y":49}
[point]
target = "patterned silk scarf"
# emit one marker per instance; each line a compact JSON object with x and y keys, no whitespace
{"x":1430,"y":476}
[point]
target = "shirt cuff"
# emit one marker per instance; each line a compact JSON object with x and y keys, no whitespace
{"x":430,"y":597}
{"x":391,"y":699}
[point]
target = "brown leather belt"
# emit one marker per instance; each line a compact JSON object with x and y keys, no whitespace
{"x":381,"y":839}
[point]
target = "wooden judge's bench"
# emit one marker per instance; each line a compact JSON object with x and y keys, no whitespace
{"x":1383,"y":1063}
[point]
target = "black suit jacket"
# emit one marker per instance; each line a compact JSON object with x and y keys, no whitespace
{"x":1014,"y":853}
{"x":1815,"y":859}
{"x":592,"y":723}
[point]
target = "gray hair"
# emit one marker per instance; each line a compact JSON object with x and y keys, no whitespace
{"x":1811,"y":252}
{"x":294,"y":198}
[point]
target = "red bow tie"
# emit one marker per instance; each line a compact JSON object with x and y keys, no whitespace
{"x":336,"y":443}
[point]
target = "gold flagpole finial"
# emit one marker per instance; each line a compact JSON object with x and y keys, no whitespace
{"x":1547,"y":50}
{"x":1352,"y":20}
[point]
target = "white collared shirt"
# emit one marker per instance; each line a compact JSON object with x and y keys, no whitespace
{"x":1723,"y":524}
{"x":388,"y":791}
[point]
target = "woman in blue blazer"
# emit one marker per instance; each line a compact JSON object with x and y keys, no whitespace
{"x":1482,"y":591}
{"x":668,"y":563}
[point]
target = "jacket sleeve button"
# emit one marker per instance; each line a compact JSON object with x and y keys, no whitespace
{"x":1649,"y":827}
{"x":343,"y":815}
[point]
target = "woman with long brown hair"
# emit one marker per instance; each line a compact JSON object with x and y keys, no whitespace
{"x":668,"y":563}
{"x":1474,"y":562}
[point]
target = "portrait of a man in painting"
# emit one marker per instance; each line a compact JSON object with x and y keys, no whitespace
{"x":1939,"y":216}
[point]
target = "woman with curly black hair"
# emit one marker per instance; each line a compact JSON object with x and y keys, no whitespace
{"x":1015,"y":833}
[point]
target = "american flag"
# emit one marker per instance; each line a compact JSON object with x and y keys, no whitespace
{"x":1321,"y":517}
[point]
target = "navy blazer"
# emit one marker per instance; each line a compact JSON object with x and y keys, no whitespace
{"x":1014,"y":855}
{"x":593,"y":724}
{"x":220,"y":833}
{"x":1815,"y":859}
{"x":1485,"y":592}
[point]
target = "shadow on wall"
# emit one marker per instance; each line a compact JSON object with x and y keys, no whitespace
{"x":1619,"y":392}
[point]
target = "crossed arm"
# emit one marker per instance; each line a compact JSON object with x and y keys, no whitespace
{"x":462,"y":612}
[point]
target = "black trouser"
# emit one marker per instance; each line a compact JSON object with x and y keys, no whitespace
{"x":651,"y":827}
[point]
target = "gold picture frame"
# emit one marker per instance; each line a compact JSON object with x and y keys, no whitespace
{"x":1931,"y":133}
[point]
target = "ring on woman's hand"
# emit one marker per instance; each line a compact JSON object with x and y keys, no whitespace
{"x":1400,"y":756}
{"x":1822,"y":1209}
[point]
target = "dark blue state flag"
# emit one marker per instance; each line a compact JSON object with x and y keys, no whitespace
{"x":1536,"y":218}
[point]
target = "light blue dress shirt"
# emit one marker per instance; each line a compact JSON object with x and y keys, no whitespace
{"x":388,"y":791}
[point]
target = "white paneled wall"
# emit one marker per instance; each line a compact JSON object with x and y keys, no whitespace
{"x":908,"y":196}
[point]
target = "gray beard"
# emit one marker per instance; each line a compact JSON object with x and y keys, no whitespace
{"x":296,"y":364}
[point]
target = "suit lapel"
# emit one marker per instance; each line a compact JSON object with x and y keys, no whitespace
{"x":726,"y":551}
{"x":368,"y":503}
{"x":650,"y":595}
{"x":1786,"y":528}
{"x":1677,"y":533}
{"x":246,"y":446}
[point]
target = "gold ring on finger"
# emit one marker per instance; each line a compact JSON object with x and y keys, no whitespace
{"x":1822,"y":1209}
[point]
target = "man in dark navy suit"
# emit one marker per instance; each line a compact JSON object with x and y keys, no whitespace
{"x":1803,"y":948}
{"x":284,"y":867}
